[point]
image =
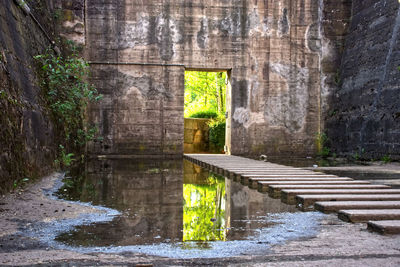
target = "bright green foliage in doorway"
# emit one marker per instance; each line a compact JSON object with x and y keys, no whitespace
{"x":204,"y":211}
{"x":205,"y":97}
{"x":204,"y":92}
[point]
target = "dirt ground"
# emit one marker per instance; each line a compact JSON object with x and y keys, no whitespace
{"x":337,"y":243}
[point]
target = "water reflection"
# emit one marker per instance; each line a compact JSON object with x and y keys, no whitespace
{"x":150,"y":194}
{"x":204,"y":210}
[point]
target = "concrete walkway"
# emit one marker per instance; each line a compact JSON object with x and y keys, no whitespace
{"x":353,"y":200}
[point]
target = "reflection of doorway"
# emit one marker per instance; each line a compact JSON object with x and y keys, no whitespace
{"x":204,"y":205}
{"x":207,"y":100}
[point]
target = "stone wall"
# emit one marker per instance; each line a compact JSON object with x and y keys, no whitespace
{"x":271,"y":49}
{"x":196,"y":135}
{"x":364,"y":116}
{"x":26,"y":134}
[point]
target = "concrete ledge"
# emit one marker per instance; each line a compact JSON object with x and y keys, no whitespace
{"x":288,"y":196}
{"x":239,"y":175}
{"x":253,"y":182}
{"x":136,"y":156}
{"x":306,"y":202}
{"x":368,"y":215}
{"x":264,"y":186}
{"x":384,"y":227}
{"x":334,"y":206}
{"x":274,"y":191}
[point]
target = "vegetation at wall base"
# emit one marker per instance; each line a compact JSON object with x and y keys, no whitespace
{"x":66,"y":94}
{"x":323,"y":141}
{"x":217,"y":133}
{"x":386,"y":159}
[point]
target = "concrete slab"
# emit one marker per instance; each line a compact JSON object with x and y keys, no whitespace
{"x":374,"y":171}
{"x":263,"y":168}
{"x":384,"y":227}
{"x":231,"y":173}
{"x":334,"y":206}
{"x":274,"y":191}
{"x":237,"y":176}
{"x":288,"y":195}
{"x":252,"y":182}
{"x":240,"y":174}
{"x":263,"y":186}
{"x":368,"y":215}
{"x":306,"y":202}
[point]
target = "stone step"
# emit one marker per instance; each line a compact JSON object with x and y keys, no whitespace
{"x":306,"y":202}
{"x":263,"y":186}
{"x":280,"y":173}
{"x":274,"y":191}
{"x":253,"y":182}
{"x":385,"y":227}
{"x":255,"y":171}
{"x":334,"y":206}
{"x":261,"y":168}
{"x":288,"y":195}
{"x":369,"y":215}
{"x":237,"y":176}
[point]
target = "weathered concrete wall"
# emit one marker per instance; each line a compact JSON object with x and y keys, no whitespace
{"x":70,"y":16}
{"x":27,"y":146}
{"x":272,"y":49}
{"x":195,"y":135}
{"x":364,"y":116}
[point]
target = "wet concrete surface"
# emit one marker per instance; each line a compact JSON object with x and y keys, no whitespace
{"x":102,"y":227}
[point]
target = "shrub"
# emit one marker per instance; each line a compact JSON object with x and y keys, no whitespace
{"x":66,"y":93}
{"x":217,"y":133}
{"x":204,"y":114}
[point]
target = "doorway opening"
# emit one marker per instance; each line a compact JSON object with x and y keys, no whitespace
{"x":206,"y":112}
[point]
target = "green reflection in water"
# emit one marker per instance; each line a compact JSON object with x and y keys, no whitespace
{"x":204,"y":210}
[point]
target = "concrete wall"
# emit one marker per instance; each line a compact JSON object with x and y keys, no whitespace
{"x":364,"y":116}
{"x":196,"y":135}
{"x":27,"y":147}
{"x":272,"y":49}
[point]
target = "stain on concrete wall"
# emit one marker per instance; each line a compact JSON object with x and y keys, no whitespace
{"x":273,"y":50}
{"x":70,"y":17}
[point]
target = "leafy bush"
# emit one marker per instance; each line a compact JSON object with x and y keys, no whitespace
{"x":386,"y":159}
{"x":323,"y":145}
{"x":217,"y":133}
{"x":67,"y":94}
{"x":204,"y":114}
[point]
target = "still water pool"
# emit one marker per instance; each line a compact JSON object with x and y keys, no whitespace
{"x":175,"y":208}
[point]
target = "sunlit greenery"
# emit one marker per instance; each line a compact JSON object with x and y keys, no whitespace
{"x":205,"y":91}
{"x":204,"y":211}
{"x":205,"y":97}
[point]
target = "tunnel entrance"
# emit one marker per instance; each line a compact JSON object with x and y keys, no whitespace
{"x":206,"y":112}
